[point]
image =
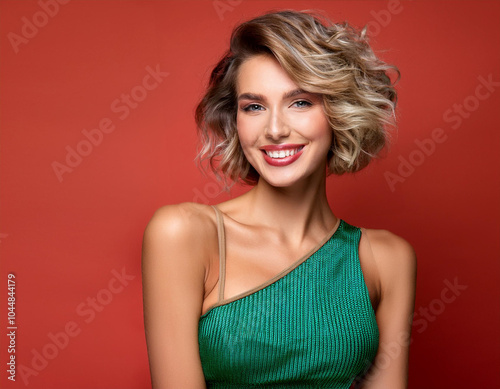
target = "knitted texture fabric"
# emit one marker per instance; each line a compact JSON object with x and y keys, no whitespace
{"x":314,"y":327}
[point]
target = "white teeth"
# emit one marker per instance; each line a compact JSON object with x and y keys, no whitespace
{"x":282,"y":153}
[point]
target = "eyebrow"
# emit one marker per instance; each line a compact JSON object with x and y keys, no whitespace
{"x":259,"y":97}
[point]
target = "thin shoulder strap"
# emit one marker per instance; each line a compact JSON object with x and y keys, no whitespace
{"x":222,"y":252}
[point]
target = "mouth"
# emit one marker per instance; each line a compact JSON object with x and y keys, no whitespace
{"x":282,"y":155}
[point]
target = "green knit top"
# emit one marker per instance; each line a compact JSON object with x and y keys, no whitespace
{"x":311,"y":326}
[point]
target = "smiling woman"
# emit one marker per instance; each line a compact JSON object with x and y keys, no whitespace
{"x":270,"y":288}
{"x":280,"y":125}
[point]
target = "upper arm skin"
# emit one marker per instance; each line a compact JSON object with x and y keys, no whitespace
{"x":173,"y":273}
{"x":396,"y":266}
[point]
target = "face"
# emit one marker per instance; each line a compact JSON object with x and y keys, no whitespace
{"x":283,"y":130}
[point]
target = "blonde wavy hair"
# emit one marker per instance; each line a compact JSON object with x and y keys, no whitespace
{"x":334,"y":60}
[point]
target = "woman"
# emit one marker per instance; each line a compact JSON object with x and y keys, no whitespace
{"x":271,"y":288}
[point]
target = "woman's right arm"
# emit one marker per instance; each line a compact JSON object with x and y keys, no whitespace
{"x":173,"y":274}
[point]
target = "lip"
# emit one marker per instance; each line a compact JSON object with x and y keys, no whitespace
{"x":282,"y":161}
{"x":284,"y":146}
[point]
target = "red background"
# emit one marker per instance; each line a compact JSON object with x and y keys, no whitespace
{"x":62,"y":240}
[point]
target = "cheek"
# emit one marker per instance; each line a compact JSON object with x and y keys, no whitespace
{"x":318,"y":129}
{"x":246,"y":132}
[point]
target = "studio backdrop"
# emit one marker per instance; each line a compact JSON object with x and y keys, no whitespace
{"x":97,"y":132}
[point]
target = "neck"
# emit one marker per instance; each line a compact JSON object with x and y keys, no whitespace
{"x":297,"y":211}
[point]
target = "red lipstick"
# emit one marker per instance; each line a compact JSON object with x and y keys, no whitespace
{"x":283,"y":146}
{"x":285,"y":160}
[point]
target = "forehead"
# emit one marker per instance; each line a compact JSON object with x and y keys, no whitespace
{"x":262,"y":73}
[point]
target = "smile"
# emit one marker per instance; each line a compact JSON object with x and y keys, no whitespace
{"x":282,"y":155}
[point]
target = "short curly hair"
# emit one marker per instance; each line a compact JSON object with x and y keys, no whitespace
{"x":333,"y":60}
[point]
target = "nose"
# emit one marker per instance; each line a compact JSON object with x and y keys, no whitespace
{"x":277,"y":126}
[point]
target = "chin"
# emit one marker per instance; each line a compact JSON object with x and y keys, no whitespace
{"x":280,"y":182}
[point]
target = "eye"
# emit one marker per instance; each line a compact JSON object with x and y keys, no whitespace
{"x":253,"y":108}
{"x":302,"y":104}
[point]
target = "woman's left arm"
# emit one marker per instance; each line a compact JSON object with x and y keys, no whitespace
{"x":396,"y":264}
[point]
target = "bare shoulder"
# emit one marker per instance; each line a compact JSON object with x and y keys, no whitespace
{"x":188,"y":226}
{"x":390,"y":249}
{"x":181,"y":220}
{"x":394,"y":257}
